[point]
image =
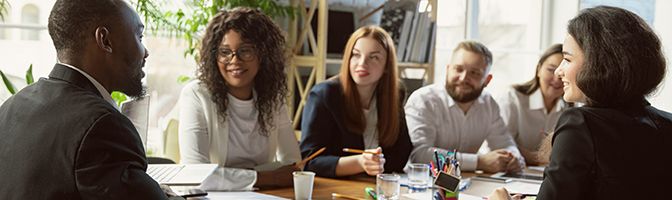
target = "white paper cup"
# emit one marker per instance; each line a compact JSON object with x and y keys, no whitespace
{"x":303,"y":185}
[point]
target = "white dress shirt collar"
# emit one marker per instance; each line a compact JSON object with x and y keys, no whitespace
{"x":103,"y":92}
{"x":536,"y":100}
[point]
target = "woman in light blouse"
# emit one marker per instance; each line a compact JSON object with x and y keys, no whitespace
{"x":234,"y":113}
{"x":531,"y":110}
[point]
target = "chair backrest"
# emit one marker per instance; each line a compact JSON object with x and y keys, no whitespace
{"x":171,"y":147}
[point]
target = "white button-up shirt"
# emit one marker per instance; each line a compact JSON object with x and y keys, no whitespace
{"x":527,"y":119}
{"x":435,"y":121}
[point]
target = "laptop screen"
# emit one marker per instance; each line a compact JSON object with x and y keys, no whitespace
{"x":137,"y":110}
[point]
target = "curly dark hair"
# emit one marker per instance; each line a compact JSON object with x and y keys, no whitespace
{"x":269,"y":42}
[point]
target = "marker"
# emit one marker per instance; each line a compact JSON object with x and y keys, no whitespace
{"x":371,"y":192}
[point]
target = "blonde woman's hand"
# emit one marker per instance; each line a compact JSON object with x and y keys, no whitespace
{"x":373,"y":163}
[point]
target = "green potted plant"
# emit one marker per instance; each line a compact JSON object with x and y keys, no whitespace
{"x":4,"y":4}
{"x":118,"y":97}
{"x":8,"y":84}
{"x":189,"y":22}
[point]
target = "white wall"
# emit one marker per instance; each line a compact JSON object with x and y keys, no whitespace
{"x":663,"y":98}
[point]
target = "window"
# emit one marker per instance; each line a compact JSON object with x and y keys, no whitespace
{"x":451,"y":23}
{"x":644,"y":8}
{"x":30,"y":15}
{"x":4,"y":32}
{"x":510,"y":29}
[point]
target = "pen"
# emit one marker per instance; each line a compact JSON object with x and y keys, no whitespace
{"x":357,"y":151}
{"x":491,"y":179}
{"x":522,"y":196}
{"x":337,"y":195}
{"x":465,"y":185}
{"x":436,"y":156}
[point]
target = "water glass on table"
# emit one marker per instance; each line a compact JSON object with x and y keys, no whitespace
{"x":418,"y":177}
{"x":387,"y":186}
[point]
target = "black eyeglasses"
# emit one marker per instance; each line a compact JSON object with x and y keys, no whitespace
{"x":225,"y":55}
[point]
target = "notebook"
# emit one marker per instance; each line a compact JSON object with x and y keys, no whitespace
{"x":180,"y":174}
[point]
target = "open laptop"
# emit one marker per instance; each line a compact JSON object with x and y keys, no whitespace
{"x":180,"y":174}
{"x":137,"y":110}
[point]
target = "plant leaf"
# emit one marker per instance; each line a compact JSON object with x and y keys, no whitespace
{"x":29,"y":75}
{"x":8,"y":84}
{"x":119,"y":97}
{"x":182,"y":79}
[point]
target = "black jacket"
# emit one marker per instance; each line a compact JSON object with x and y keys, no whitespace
{"x":323,"y":125}
{"x":610,"y":153}
{"x":60,"y":140}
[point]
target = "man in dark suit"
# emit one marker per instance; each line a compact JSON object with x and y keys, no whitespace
{"x":63,"y":137}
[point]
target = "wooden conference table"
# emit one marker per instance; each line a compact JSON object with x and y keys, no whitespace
{"x":351,"y":186}
{"x":323,"y":187}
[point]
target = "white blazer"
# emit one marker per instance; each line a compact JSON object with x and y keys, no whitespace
{"x":203,"y":138}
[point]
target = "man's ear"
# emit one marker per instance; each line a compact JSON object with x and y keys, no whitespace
{"x":488,"y":78}
{"x":103,"y":39}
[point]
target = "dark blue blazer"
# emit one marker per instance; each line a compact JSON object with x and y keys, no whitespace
{"x":610,"y":153}
{"x":323,"y":126}
{"x":60,"y":140}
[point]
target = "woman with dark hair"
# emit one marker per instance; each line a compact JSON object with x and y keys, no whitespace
{"x":361,"y":108}
{"x":234,"y":113}
{"x":530,"y":110}
{"x":617,"y":146}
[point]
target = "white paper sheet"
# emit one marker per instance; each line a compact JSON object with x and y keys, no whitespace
{"x":240,"y":195}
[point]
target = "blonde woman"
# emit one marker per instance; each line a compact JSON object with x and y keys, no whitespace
{"x":360,"y":109}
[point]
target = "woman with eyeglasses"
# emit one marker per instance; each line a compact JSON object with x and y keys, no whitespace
{"x":361,"y":108}
{"x":234,"y":114}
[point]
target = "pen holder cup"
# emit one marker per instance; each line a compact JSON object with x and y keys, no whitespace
{"x":442,"y":194}
{"x":446,"y":186}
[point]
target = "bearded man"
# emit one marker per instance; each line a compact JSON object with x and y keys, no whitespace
{"x":458,"y":115}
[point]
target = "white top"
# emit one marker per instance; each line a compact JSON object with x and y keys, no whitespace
{"x":204,"y":138}
{"x":435,"y":121}
{"x":527,"y":119}
{"x":103,"y":92}
{"x":245,"y":135}
{"x":370,"y":135}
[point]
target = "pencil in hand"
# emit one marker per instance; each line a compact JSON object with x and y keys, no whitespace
{"x":305,"y":160}
{"x":357,"y":151}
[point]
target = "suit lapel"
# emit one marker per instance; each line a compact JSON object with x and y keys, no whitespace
{"x":72,"y":76}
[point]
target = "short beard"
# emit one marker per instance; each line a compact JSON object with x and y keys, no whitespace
{"x":463,"y":98}
{"x":134,"y":89}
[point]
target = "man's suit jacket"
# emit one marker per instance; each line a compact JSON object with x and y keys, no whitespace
{"x":610,"y":153}
{"x":60,"y":140}
{"x":323,"y":125}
